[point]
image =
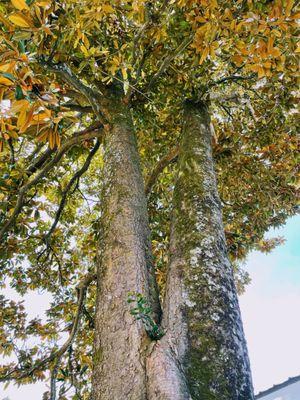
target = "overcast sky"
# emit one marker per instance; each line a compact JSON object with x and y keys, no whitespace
{"x":270,"y":309}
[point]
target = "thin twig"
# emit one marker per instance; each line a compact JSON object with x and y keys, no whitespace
{"x":12,"y":152}
{"x":65,"y":193}
{"x":232,"y":78}
{"x":168,"y":59}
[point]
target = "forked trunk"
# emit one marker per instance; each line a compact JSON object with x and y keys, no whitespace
{"x":125,"y":266}
{"x":203,"y":355}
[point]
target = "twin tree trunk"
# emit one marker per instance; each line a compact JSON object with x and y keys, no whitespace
{"x":203,"y":354}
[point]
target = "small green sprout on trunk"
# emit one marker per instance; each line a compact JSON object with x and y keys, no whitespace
{"x":142,"y":311}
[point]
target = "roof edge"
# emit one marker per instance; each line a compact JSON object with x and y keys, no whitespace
{"x":288,"y":382}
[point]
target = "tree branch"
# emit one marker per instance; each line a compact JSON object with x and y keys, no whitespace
{"x":81,"y":289}
{"x":88,"y":133}
{"x":167,"y":61}
{"x":160,"y":166}
{"x":75,"y":177}
{"x":76,"y":107}
{"x":39,"y":162}
{"x":232,"y":78}
{"x":95,"y":98}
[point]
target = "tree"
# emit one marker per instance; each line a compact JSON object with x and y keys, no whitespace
{"x":93,"y":100}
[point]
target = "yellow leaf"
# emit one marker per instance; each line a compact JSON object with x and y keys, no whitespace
{"x":41,"y":117}
{"x":43,"y":136}
{"x":124,"y":74}
{"x":201,"y":19}
{"x":5,"y":22}
{"x":22,"y":118}
{"x":276,"y":33}
{"x":254,"y":67}
{"x":212,"y":52}
{"x":51,"y":140}
{"x":204,"y":55}
{"x":297,"y":49}
{"x":275,"y":52}
{"x":23,"y":114}
{"x":44,"y":3}
{"x":261,"y":72}
{"x":28,"y":120}
{"x":270,"y":44}
{"x":20,"y":4}
{"x":85,"y":41}
{"x":38,"y":14}
{"x":289,"y":6}
{"x":7,"y":67}
{"x":108,"y":9}
{"x":19,"y":105}
{"x":57,"y":139}
{"x":238,"y":60}
{"x":267,"y":64}
{"x":295,"y":16}
{"x":5,"y":81}
{"x":20,"y":20}
{"x":84,"y":50}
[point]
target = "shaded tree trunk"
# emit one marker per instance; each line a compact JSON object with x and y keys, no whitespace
{"x":125,"y":266}
{"x":203,"y":354}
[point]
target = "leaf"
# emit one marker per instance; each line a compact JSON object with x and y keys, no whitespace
{"x":84,"y":50}
{"x":51,"y":140}
{"x":107,"y":8}
{"x":20,"y":20}
{"x":8,"y":76}
{"x":22,"y":117}
{"x":7,"y":67}
{"x":5,"y":81}
{"x":22,"y":35}
{"x":20,"y":4}
{"x":57,"y":139}
{"x":28,"y":120}
{"x":19,"y":93}
{"x":18,"y":105}
{"x":124,"y":73}
{"x":276,"y":52}
{"x":43,"y":135}
{"x":289,"y":6}
{"x":204,"y":55}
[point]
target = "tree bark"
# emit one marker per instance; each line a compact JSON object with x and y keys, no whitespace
{"x":125,"y":266}
{"x":203,"y":354}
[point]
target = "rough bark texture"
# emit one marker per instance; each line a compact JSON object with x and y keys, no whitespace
{"x":204,"y":353}
{"x":125,"y":266}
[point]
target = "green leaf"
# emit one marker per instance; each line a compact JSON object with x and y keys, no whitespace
{"x":19,"y":93}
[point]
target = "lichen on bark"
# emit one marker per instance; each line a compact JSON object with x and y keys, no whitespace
{"x":201,"y":307}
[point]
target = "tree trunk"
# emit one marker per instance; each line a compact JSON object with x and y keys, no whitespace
{"x":125,"y":266}
{"x":203,"y":354}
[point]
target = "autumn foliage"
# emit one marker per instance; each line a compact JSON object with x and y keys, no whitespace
{"x":57,"y":59}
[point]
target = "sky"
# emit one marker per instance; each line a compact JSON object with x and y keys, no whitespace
{"x":270,"y":310}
